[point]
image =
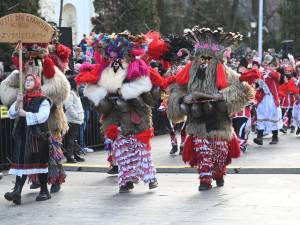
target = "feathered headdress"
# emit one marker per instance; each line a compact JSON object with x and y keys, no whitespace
{"x":157,"y":46}
{"x":209,"y":42}
{"x":179,"y":47}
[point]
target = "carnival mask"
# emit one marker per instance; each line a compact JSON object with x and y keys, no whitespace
{"x":116,"y":65}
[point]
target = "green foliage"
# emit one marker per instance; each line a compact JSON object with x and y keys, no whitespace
{"x":14,"y":6}
{"x":177,"y":15}
{"x":119,"y":15}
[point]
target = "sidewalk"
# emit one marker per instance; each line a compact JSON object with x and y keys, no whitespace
{"x":93,"y":198}
{"x":281,"y":158}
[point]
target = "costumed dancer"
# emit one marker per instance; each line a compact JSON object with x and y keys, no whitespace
{"x":31,"y":136}
{"x":268,"y":109}
{"x":120,"y":89}
{"x":207,"y":92}
{"x":290,"y":90}
{"x":287,"y":98}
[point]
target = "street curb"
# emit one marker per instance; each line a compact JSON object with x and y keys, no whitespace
{"x":182,"y":169}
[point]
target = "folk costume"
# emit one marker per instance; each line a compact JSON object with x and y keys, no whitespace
{"x":287,"y":98}
{"x":268,"y":107}
{"x":119,"y":87}
{"x":31,"y":137}
{"x":207,"y":93}
{"x":49,"y":61}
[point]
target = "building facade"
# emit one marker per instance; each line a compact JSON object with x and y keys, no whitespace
{"x":76,"y":14}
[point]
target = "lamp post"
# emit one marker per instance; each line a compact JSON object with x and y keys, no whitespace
{"x":260,"y":27}
{"x":60,"y":12}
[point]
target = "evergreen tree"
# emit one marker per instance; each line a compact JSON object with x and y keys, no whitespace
{"x":107,"y":19}
{"x":133,"y":15}
{"x":14,"y":6}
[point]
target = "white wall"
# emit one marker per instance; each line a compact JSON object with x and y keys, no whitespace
{"x":84,"y":11}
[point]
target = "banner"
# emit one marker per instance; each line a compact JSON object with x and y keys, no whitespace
{"x":25,"y":28}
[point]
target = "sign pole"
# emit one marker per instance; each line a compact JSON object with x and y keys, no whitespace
{"x":20,"y":67}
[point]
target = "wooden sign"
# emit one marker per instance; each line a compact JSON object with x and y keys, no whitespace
{"x":25,"y":28}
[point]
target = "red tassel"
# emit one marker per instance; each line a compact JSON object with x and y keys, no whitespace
{"x":63,"y":52}
{"x":234,"y":147}
{"x":48,"y":67}
{"x":157,"y":47}
{"x":221,"y":79}
{"x":89,"y":77}
{"x":183,"y":76}
{"x":145,"y":137}
{"x":15,"y":60}
{"x":156,"y":79}
{"x":112,"y":132}
{"x":187,"y":149}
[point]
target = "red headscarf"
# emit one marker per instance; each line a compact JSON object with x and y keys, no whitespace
{"x":35,"y":91}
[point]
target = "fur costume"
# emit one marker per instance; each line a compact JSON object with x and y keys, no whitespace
{"x":215,"y":93}
{"x":122,"y":94}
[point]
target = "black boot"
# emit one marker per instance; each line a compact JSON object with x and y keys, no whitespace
{"x":220,"y":182}
{"x":274,"y":137}
{"x":298,"y":131}
{"x":204,"y":187}
{"x":44,"y":193}
{"x":174,"y":149}
{"x":15,"y":196}
{"x":124,"y":189}
{"x":293,"y":129}
{"x":180,"y":150}
{"x":153,"y":184}
{"x":113,"y":170}
{"x":78,"y":158}
{"x":35,"y":185}
{"x":55,"y":188}
{"x":259,"y":139}
{"x":70,"y":159}
{"x":284,"y":129}
{"x":130,"y":185}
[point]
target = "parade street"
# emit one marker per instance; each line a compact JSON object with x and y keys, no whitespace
{"x":93,"y":198}
{"x":280,"y":158}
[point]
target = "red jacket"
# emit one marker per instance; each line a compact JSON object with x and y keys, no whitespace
{"x":287,"y":92}
{"x":272,"y":81}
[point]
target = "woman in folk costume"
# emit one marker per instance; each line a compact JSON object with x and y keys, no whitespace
{"x":31,"y":136}
{"x":49,"y":62}
{"x":287,"y":99}
{"x":119,"y":87}
{"x":208,"y":93}
{"x":289,"y":96}
{"x":268,"y":109}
